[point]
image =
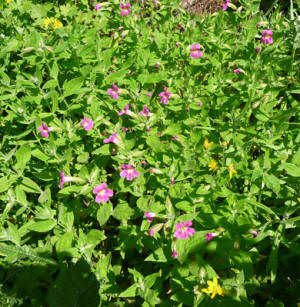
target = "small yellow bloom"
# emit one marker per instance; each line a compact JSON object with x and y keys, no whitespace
{"x":299,"y":199}
{"x":47,"y":22}
{"x":231,"y":170}
{"x":7,"y":1}
{"x":213,"y":165}
{"x":52,"y":22}
{"x":214,"y":288}
{"x":207,"y":144}
{"x":56,"y":24}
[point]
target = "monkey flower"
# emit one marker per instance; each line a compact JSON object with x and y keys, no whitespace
{"x":112,"y":139}
{"x":114,"y":92}
{"x":267,"y":37}
{"x":129,"y":172}
{"x":146,"y":113}
{"x":150,"y":216}
{"x":64,"y":179}
{"x":183,"y":230}
{"x":103,"y":194}
{"x":87,"y":124}
{"x":125,"y":9}
{"x":196,"y":53}
{"x":165,"y":95}
{"x":44,"y":130}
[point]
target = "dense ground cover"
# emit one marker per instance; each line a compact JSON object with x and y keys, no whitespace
{"x":149,"y":157}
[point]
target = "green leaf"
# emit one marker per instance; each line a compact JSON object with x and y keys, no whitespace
{"x":130,"y":292}
{"x":272,"y":182}
{"x":75,"y":286}
{"x":157,"y":256}
{"x":73,"y":86}
{"x":14,"y":234}
{"x":292,"y":169}
{"x":42,"y":226}
{"x":123,"y":212}
{"x":104,"y":212}
{"x":23,"y":155}
{"x":30,"y":186}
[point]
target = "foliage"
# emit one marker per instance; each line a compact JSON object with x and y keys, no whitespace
{"x":219,"y":156}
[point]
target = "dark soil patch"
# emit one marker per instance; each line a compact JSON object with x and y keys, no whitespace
{"x":200,"y":7}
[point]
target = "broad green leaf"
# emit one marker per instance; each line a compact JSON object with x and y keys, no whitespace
{"x":104,"y":212}
{"x":73,"y":86}
{"x":123,"y":212}
{"x":42,"y":226}
{"x":23,"y":156}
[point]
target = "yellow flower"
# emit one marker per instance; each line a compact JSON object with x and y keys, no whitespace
{"x":213,"y":165}
{"x":231,"y":170}
{"x":299,"y":199}
{"x":7,"y":1}
{"x":207,"y":144}
{"x":56,"y":24}
{"x":47,"y":22}
{"x":52,"y":22}
{"x":214,"y":288}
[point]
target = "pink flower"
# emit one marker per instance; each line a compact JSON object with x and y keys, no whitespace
{"x":174,"y":253}
{"x":125,"y":129}
{"x":177,"y":44}
{"x":112,"y":139}
{"x":183,"y":230}
{"x":114,"y":92}
{"x":87,"y":124}
{"x":150,"y":216}
{"x":165,"y":96}
{"x":225,"y":5}
{"x":200,"y":104}
{"x":238,"y":70}
{"x":129,"y":171}
{"x":174,"y":138}
{"x":64,"y":179}
{"x":97,"y":6}
{"x":146,"y":113}
{"x":144,"y":163}
{"x":103,"y":194}
{"x":151,"y":232}
{"x":157,"y":64}
{"x":45,"y":130}
{"x":258,"y":49}
{"x":149,"y":94}
{"x":154,"y":2}
{"x":267,"y":37}
{"x":209,"y":236}
{"x":255,"y":233}
{"x":125,"y":9}
{"x":196,"y":53}
{"x":148,"y":129}
{"x":125,"y":111}
{"x":172,"y":180}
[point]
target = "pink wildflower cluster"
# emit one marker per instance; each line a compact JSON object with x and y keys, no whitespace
{"x":112,"y":139}
{"x":44,"y":130}
{"x":196,"y":53}
{"x":97,"y":6}
{"x":225,"y":5}
{"x":267,"y":38}
{"x":183,"y":230}
{"x":102,"y":193}
{"x":87,"y":124}
{"x":114,"y":92}
{"x":237,"y":71}
{"x":129,"y":172}
{"x":64,"y":179}
{"x":209,"y":236}
{"x":125,"y":9}
{"x":150,"y":216}
{"x":165,"y":95}
{"x":146,"y":113}
{"x":125,"y":111}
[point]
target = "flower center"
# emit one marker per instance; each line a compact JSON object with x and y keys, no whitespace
{"x":183,"y":228}
{"x":267,"y":36}
{"x":101,"y":193}
{"x":85,"y":124}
